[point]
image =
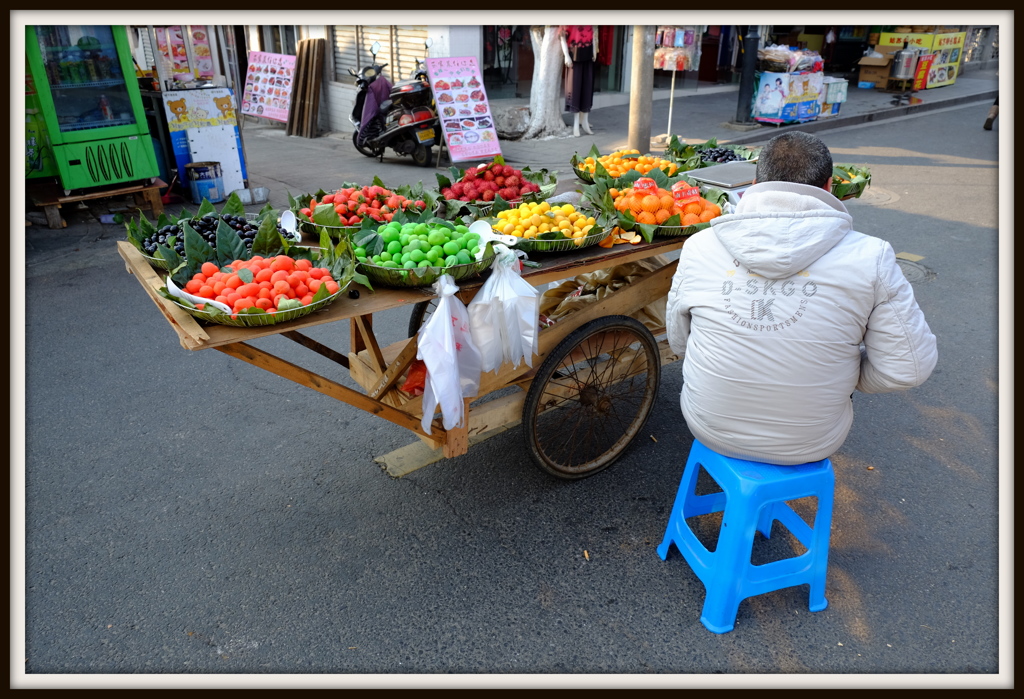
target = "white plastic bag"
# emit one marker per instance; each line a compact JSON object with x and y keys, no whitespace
{"x":504,"y":315}
{"x":446,"y":346}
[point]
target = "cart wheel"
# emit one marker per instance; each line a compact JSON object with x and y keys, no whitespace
{"x":592,"y":396}
{"x":420,"y":312}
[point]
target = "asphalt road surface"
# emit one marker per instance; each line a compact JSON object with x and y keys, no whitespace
{"x":187,"y":514}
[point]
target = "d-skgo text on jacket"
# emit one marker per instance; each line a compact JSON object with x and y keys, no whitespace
{"x":782,"y":310}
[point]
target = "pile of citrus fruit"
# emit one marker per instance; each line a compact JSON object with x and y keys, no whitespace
{"x":622,"y":161}
{"x":529,"y":220}
{"x":272,"y":283}
{"x":658,"y":206}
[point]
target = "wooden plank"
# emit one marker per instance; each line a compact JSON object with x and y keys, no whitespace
{"x":488,"y":420}
{"x":364,"y":324}
{"x":53,"y":218}
{"x":318,"y":67}
{"x":457,"y":441}
{"x":322,"y":350}
{"x":190,"y":333}
{"x":320,"y":384}
{"x":45,"y":193}
{"x":395,"y":369}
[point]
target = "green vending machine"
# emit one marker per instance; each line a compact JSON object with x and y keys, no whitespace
{"x":91,"y":107}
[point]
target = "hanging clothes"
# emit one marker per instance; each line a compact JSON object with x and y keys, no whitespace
{"x":605,"y":41}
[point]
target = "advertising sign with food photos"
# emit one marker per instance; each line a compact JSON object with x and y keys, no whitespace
{"x":170,"y":42}
{"x":463,"y":108}
{"x":268,"y":85}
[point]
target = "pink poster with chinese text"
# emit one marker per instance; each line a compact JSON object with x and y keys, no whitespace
{"x":268,"y":85}
{"x":463,"y":108}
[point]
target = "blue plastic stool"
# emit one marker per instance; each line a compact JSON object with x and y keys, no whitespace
{"x":753,"y":496}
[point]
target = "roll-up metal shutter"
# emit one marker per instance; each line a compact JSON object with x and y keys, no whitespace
{"x":400,"y":46}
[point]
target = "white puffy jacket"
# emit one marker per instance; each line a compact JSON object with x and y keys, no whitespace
{"x":782,"y":310}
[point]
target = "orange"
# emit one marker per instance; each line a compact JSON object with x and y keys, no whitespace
{"x":706,"y":215}
{"x":714,"y":207}
{"x":662,"y":215}
{"x":613,"y":193}
{"x":650,"y":203}
{"x":691,"y":219}
{"x":666,"y":200}
{"x":646,"y":217}
{"x":635,"y":204}
{"x":694,"y":207}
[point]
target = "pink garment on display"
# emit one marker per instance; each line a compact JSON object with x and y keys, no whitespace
{"x":578,"y":35}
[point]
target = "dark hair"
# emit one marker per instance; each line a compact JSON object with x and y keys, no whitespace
{"x":795,"y":157}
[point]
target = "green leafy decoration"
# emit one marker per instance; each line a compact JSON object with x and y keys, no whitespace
{"x":170,"y":257}
{"x":268,"y":240}
{"x":245,"y":275}
{"x":206,"y":208}
{"x":370,"y":240}
{"x":233,"y":205}
{"x":184,"y":215}
{"x":229,"y":245}
{"x":325,"y":215}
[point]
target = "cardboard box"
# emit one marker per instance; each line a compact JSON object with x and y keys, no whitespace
{"x":875,"y":70}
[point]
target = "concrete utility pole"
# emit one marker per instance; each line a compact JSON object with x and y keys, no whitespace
{"x":641,"y":85}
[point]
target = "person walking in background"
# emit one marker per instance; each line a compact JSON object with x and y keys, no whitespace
{"x":993,"y":112}
{"x":781,"y":310}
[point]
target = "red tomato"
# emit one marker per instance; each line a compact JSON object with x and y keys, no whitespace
{"x":328,"y":199}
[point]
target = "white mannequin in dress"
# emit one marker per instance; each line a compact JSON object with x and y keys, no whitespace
{"x":579,"y":118}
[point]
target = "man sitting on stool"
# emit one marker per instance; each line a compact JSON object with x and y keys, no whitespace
{"x":783,"y":310}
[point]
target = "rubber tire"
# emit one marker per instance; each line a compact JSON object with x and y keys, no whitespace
{"x":419,"y":314}
{"x":423,"y":156}
{"x":550,"y":441}
{"x":370,"y":130}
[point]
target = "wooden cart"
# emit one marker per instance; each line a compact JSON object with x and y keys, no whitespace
{"x":589,"y":392}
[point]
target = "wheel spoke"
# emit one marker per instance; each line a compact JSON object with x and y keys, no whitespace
{"x":591,"y":397}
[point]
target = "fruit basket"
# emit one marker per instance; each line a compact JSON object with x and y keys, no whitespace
{"x":163,"y":245}
{"x":475,"y":191}
{"x":344,"y":211}
{"x":593,"y":237}
{"x":697,"y":155}
{"x":596,"y":167}
{"x":849,"y":181}
{"x":679,"y":231}
{"x":403,"y":277}
{"x":254,"y":320}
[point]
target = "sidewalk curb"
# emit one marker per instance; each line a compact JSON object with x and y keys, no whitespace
{"x":839,"y":121}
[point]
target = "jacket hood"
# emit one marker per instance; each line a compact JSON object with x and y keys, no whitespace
{"x":779,"y":228}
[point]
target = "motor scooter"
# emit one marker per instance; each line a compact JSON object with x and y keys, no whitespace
{"x":402,"y":116}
